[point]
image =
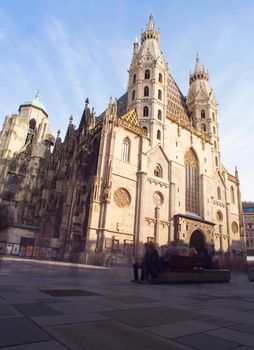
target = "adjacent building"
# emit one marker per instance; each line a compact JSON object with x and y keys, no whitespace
{"x":248,"y":214}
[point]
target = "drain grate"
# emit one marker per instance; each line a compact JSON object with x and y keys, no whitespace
{"x":67,"y":292}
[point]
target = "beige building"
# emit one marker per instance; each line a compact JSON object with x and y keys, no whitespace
{"x":148,"y":168}
{"x":24,"y":142}
{"x":248,"y":214}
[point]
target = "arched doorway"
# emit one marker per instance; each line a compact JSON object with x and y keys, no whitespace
{"x":197,"y":241}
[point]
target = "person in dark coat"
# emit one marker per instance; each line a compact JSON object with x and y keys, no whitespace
{"x":151,"y":261}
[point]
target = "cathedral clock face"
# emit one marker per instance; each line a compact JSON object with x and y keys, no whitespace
{"x":158,"y":198}
{"x":122,"y":197}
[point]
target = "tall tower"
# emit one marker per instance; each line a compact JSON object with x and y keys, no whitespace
{"x":203,"y":107}
{"x":148,"y":76}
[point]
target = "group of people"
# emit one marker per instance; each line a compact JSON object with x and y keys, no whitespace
{"x":152,"y":263}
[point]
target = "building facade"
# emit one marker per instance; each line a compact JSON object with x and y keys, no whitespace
{"x":148,"y":168}
{"x":248,"y":214}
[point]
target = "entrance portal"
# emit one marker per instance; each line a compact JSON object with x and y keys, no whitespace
{"x":198,"y":242}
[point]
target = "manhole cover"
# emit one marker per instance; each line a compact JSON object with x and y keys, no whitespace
{"x":67,"y":292}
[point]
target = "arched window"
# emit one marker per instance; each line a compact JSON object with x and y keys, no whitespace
{"x":203,"y":127}
{"x":219,"y":216}
{"x":158,"y":171}
{"x":218,"y":193}
{"x":134,"y":79}
{"x":146,"y":91}
{"x":32,"y":124}
{"x":232,"y":194}
{"x":159,"y":95}
{"x":133,"y":95}
{"x":158,"y":134}
{"x":215,"y":145}
{"x":216,"y":161}
{"x":145,"y":111}
{"x":213,"y":115}
{"x":191,"y":182}
{"x":203,"y":113}
{"x":214,"y":130}
{"x":126,"y":150}
{"x":145,"y":129}
{"x":147,"y":74}
{"x":159,"y":114}
{"x":160,"y":77}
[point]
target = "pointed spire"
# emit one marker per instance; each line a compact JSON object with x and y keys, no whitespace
{"x":70,"y":119}
{"x":37,"y":95}
{"x":58,"y":133}
{"x":86,"y":102}
{"x":150,"y":25}
{"x":198,"y":67}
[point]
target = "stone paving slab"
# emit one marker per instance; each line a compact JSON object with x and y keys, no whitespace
{"x":230,"y":315}
{"x":207,"y":342}
{"x":150,"y":316}
{"x":67,"y":319}
{"x":179,"y":329}
{"x":47,"y":345}
{"x":77,"y":308}
{"x":35,"y":309}
{"x":20,"y":331}
{"x":245,"y":328}
{"x":109,"y":335}
{"x":7,"y":311}
{"x":236,"y":336}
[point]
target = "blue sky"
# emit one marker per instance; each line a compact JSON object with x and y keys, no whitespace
{"x":73,"y":49}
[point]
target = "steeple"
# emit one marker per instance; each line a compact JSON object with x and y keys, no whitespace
{"x":150,"y":32}
{"x":147,"y":83}
{"x":150,"y":26}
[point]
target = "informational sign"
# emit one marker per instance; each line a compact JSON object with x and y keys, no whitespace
{"x":48,"y":253}
{"x":2,"y":248}
{"x":22,"y":251}
{"x":29,"y":250}
{"x":8,"y":248}
{"x":15,"y":250}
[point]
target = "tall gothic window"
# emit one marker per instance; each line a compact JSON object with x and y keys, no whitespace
{"x":158,"y":134}
{"x":159,"y":114}
{"x":158,"y":170}
{"x":134,"y":79}
{"x":191,"y":182}
{"x":232,"y":194}
{"x":133,"y":95}
{"x":159,"y":95}
{"x":146,"y":91}
{"x":125,"y":156}
{"x":147,"y":74}
{"x":145,"y":111}
{"x":219,"y":193}
{"x":203,"y":113}
{"x":203,"y":127}
{"x":160,"y":77}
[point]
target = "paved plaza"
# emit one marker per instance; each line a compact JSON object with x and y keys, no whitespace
{"x":56,"y":307}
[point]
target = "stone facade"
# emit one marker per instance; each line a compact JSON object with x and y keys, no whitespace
{"x":248,"y":214}
{"x":148,"y":168}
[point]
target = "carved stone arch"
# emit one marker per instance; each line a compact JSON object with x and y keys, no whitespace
{"x":198,"y":241}
{"x":191,"y":158}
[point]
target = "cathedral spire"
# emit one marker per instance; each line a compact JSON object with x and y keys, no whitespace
{"x":198,"y":67}
{"x":150,"y":32}
{"x":150,"y":26}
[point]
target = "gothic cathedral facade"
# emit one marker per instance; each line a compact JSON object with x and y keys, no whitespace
{"x":148,"y":168}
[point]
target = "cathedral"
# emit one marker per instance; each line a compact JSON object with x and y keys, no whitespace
{"x":147,"y":169}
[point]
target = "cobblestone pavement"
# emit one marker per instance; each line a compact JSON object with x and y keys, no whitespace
{"x":56,"y":307}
